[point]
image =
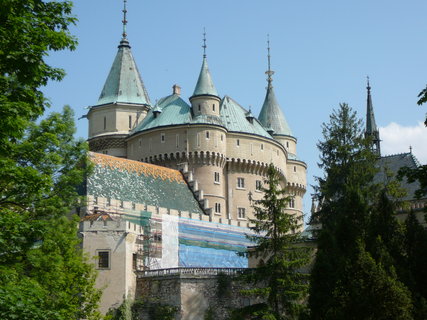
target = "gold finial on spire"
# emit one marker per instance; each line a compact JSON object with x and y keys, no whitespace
{"x":124,"y":21}
{"x":269,"y":72}
{"x":204,"y":43}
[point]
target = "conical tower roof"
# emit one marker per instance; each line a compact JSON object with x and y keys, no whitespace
{"x":124,"y":83}
{"x":205,"y":84}
{"x":271,"y":115}
{"x":371,"y":126}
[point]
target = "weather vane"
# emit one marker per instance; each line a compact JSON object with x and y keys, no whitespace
{"x":269,"y":72}
{"x":204,"y":43}
{"x":124,"y":21}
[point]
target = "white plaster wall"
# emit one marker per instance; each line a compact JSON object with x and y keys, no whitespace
{"x":170,"y":243}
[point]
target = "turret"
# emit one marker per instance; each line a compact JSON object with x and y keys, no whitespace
{"x":272,"y":117}
{"x":371,"y":127}
{"x":123,"y":103}
{"x":205,"y":99}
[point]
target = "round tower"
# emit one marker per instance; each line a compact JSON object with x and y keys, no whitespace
{"x":123,"y":103}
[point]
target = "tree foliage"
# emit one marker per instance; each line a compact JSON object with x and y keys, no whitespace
{"x":278,"y":243}
{"x":43,"y":273}
{"x":360,"y":244}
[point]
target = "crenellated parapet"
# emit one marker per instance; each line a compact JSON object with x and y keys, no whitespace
{"x":197,"y":157}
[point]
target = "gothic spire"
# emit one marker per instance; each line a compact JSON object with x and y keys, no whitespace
{"x":205,"y":84}
{"x":371,"y":126}
{"x":124,"y":83}
{"x":271,"y":115}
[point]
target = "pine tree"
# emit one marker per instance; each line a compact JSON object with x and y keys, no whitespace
{"x":354,"y":271}
{"x":278,"y":243}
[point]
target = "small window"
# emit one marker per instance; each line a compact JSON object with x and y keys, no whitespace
{"x":258,"y":185}
{"x":130,"y":122}
{"x":217,"y":207}
{"x":122,"y":204}
{"x":108,"y":201}
{"x":238,"y":142}
{"x":198,"y":139}
{"x":134,"y":261}
{"x":292,"y":202}
{"x":95,"y":200}
{"x":177,"y":141}
{"x":207,"y":134}
{"x":199,"y":107}
{"x":216,"y":177}
{"x":222,"y":138}
{"x":287,"y":144}
{"x":103,"y":259}
{"x":133,"y":205}
{"x":262,"y":146}
{"x":162,"y":137}
{"x":241,"y":214}
{"x":105,"y":123}
{"x":140,"y":143}
{"x":240,"y":183}
{"x":295,"y":169}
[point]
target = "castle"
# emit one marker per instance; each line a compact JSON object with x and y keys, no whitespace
{"x":174,"y":181}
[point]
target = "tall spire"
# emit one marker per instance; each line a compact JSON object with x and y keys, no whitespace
{"x":371,"y":126}
{"x":124,"y":83}
{"x":124,"y":21}
{"x":204,"y":43}
{"x":271,"y":115}
{"x":205,"y":84}
{"x":269,"y":72}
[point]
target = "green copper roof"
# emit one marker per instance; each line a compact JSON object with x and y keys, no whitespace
{"x":234,"y":117}
{"x":176,"y":111}
{"x":271,"y":115}
{"x":124,"y":83}
{"x":205,"y":84}
{"x":139,"y":182}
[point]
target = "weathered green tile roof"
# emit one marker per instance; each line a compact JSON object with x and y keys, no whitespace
{"x":271,"y":115}
{"x":139,"y":182}
{"x":234,"y":117}
{"x":205,"y":84}
{"x":124,"y":83}
{"x":175,"y":111}
{"x":391,"y":165}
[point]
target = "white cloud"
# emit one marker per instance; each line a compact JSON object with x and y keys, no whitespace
{"x":396,"y":138}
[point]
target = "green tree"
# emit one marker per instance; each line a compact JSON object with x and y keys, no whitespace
{"x":278,"y":243}
{"x":423,"y":99}
{"x":354,"y":270}
{"x":43,"y":273}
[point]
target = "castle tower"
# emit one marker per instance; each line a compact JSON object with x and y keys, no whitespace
{"x":371,"y":127}
{"x":123,"y":103}
{"x":205,"y":99}
{"x":272,"y":117}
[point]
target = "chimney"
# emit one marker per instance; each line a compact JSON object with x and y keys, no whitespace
{"x":176,"y":89}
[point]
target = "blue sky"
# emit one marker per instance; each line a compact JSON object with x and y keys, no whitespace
{"x":321,"y":52}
